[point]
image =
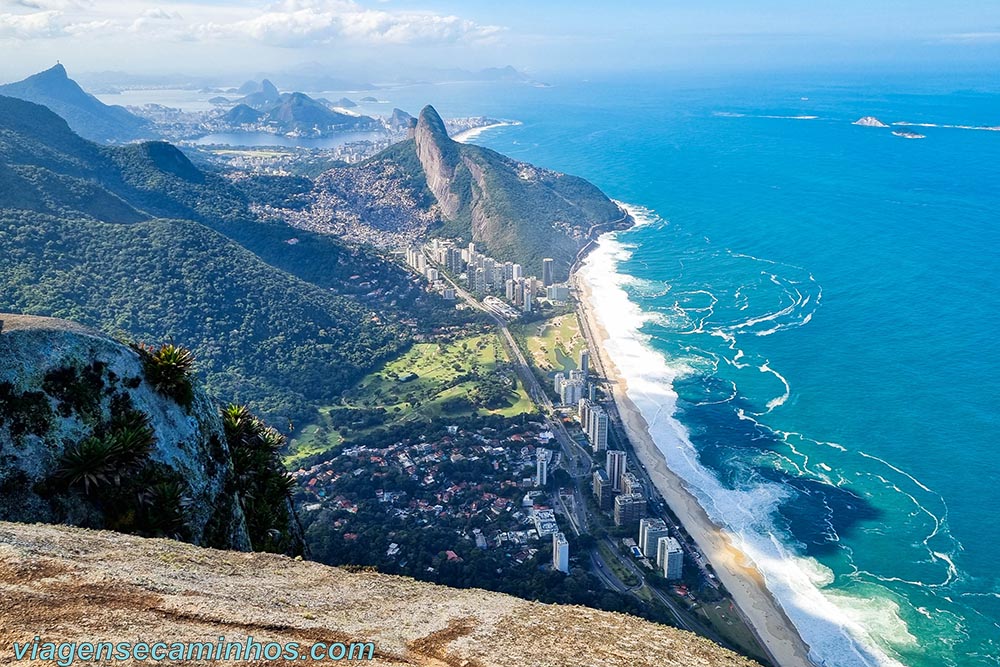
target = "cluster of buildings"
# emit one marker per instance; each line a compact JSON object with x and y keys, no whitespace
{"x":656,"y":543}
{"x":619,"y":491}
{"x":417,"y":261}
{"x":486,"y":277}
{"x":509,"y":514}
{"x":577,"y":390}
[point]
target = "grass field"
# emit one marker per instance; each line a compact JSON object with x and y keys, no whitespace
{"x":553,"y":345}
{"x":429,"y":380}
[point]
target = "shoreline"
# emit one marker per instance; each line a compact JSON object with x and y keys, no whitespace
{"x":734,"y":569}
{"x":465,"y":136}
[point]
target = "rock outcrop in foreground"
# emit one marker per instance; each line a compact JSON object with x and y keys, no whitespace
{"x":71,"y":584}
{"x":63,"y":386}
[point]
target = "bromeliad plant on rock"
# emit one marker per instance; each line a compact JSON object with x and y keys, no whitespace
{"x":263,"y":485}
{"x":113,"y":470}
{"x":169,"y":368}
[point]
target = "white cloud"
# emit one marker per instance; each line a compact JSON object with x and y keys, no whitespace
{"x":291,"y":24}
{"x":36,"y":25}
{"x":304,"y":22}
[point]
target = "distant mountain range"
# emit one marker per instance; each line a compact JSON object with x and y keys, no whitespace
{"x":87,"y":115}
{"x":264,"y":104}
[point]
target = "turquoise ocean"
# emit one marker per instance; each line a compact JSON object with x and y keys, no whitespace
{"x":809,"y":315}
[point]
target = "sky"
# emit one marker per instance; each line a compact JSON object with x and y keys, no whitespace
{"x":379,"y":38}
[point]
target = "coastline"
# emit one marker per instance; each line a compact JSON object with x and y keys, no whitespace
{"x":466,"y":136}
{"x":733,"y":568}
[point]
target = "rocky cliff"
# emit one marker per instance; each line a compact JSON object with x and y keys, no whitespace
{"x":68,"y":584}
{"x":514,"y":210}
{"x":90,"y":436}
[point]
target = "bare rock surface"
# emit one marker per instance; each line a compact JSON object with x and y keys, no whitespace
{"x":72,"y":584}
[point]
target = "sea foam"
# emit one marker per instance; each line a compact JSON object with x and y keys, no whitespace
{"x":833,"y":625}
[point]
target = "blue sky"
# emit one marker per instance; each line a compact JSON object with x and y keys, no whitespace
{"x":378,"y":37}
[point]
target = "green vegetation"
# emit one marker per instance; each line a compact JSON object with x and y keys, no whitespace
{"x":103,"y":460}
{"x":553,"y":345}
{"x":169,"y":370}
{"x":133,"y":240}
{"x":262,"y":336}
{"x":122,"y":488}
{"x":611,"y":560}
{"x":263,"y":486}
{"x":470,"y":375}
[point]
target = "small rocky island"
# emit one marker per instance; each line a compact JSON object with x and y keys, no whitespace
{"x":869,"y":121}
{"x":909,"y":135}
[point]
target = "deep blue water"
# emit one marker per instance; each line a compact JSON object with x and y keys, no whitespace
{"x":856,"y":267}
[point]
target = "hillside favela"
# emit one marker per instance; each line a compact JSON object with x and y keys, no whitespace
{"x":479,"y":334}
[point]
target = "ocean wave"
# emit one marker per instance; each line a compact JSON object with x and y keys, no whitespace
{"x":980,"y":128}
{"x":828,"y":622}
{"x":734,"y":114}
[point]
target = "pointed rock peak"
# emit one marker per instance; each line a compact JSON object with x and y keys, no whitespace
{"x":56,"y":71}
{"x":430,"y":123}
{"x":268,"y":88}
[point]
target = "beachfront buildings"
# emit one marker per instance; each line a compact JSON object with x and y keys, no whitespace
{"x":560,"y":553}
{"x":595,"y":422}
{"x":602,"y":490}
{"x":597,"y":428}
{"x":650,"y":532}
{"x":615,"y":465}
{"x":670,"y":558}
{"x":570,"y":390}
{"x":630,"y":483}
{"x":629,"y":508}
{"x":557,"y":293}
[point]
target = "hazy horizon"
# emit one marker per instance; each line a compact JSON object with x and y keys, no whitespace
{"x":398,"y":39}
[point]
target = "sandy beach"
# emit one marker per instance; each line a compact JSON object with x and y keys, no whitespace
{"x":744,"y":582}
{"x":468,"y":135}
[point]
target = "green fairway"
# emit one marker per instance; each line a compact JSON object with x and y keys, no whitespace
{"x":448,"y":379}
{"x":553,"y":345}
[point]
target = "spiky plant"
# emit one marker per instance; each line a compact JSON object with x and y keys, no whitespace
{"x":166,"y":504}
{"x":169,"y":369}
{"x":263,"y":484}
{"x":90,"y":461}
{"x":96,"y":461}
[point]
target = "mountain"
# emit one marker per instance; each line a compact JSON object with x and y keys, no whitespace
{"x":137,"y":239}
{"x":292,"y":112}
{"x":99,"y":434}
{"x":83,"y":583}
{"x":259,"y":95}
{"x":87,"y":115}
{"x":400,"y":120}
{"x":242,"y":114}
{"x":516,"y":211}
